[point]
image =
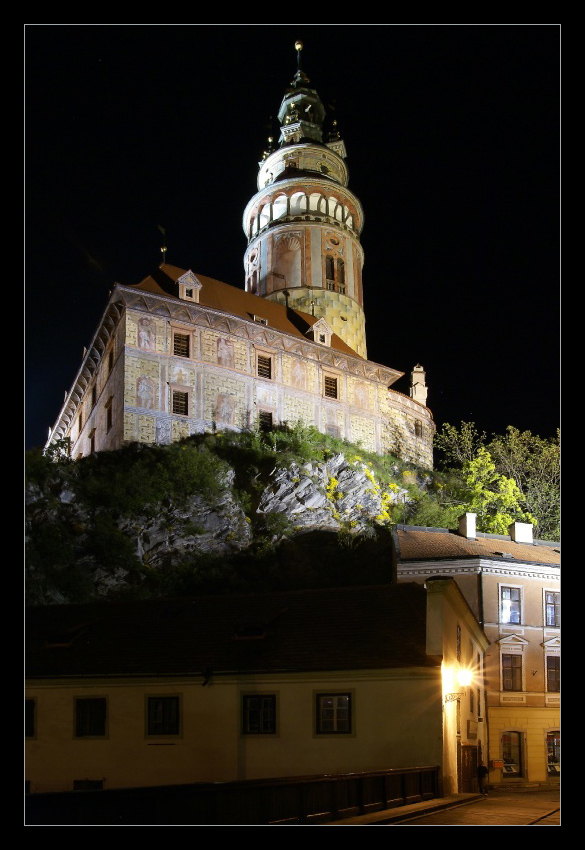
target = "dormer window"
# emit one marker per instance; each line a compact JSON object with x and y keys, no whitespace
{"x":322,"y":333}
{"x":189,"y":287}
{"x":260,"y":320}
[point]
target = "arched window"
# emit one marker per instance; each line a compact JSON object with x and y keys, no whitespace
{"x":263,"y":216}
{"x":330,"y":272}
{"x":335,"y":274}
{"x":341,"y":276}
{"x":299,"y":203}
{"x":279,"y":207}
{"x":317,"y":203}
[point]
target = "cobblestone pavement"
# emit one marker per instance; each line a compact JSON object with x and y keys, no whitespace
{"x":499,"y":808}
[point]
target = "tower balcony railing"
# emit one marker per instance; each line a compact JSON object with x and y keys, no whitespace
{"x":320,"y":217}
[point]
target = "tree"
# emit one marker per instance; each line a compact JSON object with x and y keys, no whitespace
{"x":495,"y":499}
{"x":535,"y":465}
{"x":531,"y":462}
{"x":459,"y":445}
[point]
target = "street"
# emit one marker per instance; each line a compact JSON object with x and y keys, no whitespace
{"x":499,"y":808}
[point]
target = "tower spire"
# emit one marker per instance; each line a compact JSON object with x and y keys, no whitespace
{"x":304,"y":224}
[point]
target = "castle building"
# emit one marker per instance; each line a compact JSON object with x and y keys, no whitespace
{"x":180,"y":353}
{"x":512,"y":584}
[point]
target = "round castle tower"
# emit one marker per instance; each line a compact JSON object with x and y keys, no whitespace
{"x":303,"y":225}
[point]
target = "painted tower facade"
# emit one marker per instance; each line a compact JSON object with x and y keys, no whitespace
{"x":303,"y":225}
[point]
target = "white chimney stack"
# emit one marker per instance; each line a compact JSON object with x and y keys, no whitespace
{"x":521,"y":532}
{"x":467,"y":526}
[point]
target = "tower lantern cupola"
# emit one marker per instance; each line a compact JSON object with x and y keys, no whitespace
{"x":303,"y":225}
{"x":301,"y":112}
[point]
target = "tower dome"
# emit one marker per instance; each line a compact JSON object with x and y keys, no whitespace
{"x":303,"y":225}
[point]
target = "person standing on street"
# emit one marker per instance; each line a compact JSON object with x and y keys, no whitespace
{"x":482,"y":773}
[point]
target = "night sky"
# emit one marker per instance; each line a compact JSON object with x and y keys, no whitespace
{"x":452,"y":133}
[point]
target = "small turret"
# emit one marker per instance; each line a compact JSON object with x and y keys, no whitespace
{"x":418,"y":388}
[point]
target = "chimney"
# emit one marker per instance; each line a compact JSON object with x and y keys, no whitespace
{"x":467,"y":526}
{"x":521,"y":532}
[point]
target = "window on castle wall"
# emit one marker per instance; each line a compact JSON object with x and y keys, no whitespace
{"x":264,"y":366}
{"x":418,"y":428}
{"x":180,"y":402}
{"x":341,"y":276}
{"x":181,"y":345}
{"x":265,"y":422}
{"x":335,"y":274}
{"x":109,"y":415}
{"x":330,"y":387}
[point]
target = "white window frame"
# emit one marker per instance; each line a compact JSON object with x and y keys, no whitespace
{"x":506,"y":586}
{"x":557,"y":604}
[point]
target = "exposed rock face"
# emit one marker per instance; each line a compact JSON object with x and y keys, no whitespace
{"x":333,"y":495}
{"x":197,"y":526}
{"x":78,"y":550}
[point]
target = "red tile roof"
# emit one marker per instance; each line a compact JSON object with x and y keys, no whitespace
{"x":237,"y":302}
{"x":422,"y":544}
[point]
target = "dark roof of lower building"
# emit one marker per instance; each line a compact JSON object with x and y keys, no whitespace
{"x":351,"y":628}
{"x":431,"y":544}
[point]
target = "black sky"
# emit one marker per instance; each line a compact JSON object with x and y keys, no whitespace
{"x":452,"y":134}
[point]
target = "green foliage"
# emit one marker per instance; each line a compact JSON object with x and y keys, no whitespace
{"x":535,"y":465}
{"x":530,"y":462}
{"x":495,"y":499}
{"x":134,"y":479}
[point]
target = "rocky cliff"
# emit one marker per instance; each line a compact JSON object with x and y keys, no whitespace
{"x":186,"y":518}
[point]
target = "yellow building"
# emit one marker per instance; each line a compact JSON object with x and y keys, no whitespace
{"x":258,"y":687}
{"x":512,"y":583}
{"x":180,"y":353}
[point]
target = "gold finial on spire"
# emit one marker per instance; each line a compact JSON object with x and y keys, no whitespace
{"x":298,"y":48}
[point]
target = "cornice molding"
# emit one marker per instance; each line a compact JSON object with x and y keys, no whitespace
{"x":479,"y":565}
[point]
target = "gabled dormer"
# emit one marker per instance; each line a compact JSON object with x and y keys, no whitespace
{"x":321,"y":332}
{"x":189,"y":287}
